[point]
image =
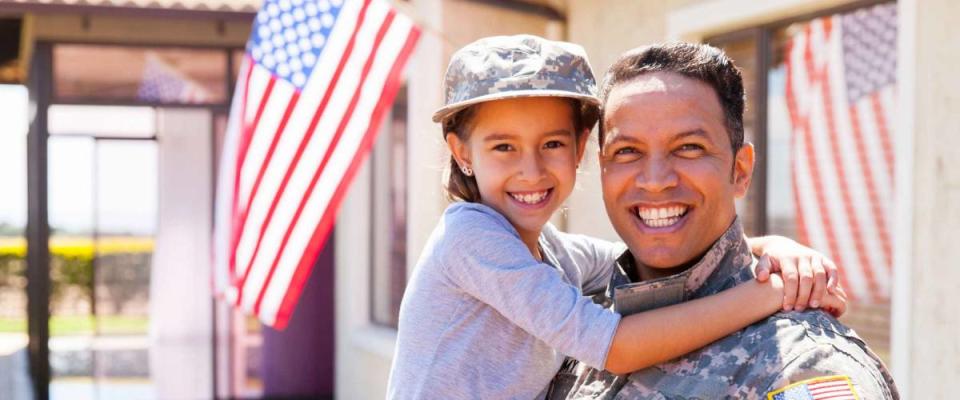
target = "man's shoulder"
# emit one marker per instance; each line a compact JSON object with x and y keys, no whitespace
{"x":787,"y":334}
{"x":782,"y":349}
{"x":808,"y":346}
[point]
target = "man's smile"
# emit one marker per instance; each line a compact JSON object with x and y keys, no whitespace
{"x":661,"y":216}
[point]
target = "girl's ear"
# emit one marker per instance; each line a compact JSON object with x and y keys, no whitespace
{"x":458,"y":148}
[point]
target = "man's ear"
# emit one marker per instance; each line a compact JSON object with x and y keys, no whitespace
{"x":743,"y":164}
{"x":458,"y":148}
{"x":582,"y":145}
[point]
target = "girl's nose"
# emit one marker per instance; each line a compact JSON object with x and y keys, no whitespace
{"x":532,"y":168}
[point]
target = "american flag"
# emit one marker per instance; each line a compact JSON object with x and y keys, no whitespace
{"x":317,"y":77}
{"x":831,"y":387}
{"x":841,"y":95}
{"x":162,"y":83}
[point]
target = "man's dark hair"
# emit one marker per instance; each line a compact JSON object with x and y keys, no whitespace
{"x":702,"y":62}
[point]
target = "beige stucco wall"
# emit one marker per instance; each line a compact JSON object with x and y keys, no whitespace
{"x":926,"y":351}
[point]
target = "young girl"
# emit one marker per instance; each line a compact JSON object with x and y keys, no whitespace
{"x":497,"y":300}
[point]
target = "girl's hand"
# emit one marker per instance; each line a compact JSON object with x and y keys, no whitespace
{"x":808,"y":275}
{"x":835,"y":302}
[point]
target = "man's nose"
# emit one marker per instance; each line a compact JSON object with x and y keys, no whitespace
{"x":657,"y":174}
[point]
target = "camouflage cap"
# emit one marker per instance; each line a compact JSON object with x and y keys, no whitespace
{"x":501,"y":67}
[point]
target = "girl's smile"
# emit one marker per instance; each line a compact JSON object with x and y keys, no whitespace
{"x":532,"y":199}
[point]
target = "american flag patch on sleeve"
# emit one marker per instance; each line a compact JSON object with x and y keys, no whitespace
{"x":837,"y":387}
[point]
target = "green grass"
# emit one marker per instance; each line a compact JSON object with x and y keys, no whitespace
{"x":81,"y":325}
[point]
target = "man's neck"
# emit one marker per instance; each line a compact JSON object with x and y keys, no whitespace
{"x":645,"y":273}
{"x":724,"y":265}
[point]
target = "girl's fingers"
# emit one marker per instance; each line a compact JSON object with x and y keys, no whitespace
{"x":805,"y":272}
{"x":833,"y":275}
{"x":836,"y":303}
{"x":791,"y":283}
{"x":819,"y":281}
{"x":763,"y":269}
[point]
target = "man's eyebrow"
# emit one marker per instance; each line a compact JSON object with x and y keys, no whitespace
{"x":622,"y":138}
{"x":695,"y":132}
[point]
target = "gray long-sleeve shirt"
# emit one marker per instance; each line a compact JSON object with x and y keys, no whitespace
{"x":481,"y":318}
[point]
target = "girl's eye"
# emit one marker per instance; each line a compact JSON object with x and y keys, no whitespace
{"x":502,"y":147}
{"x":554,"y":144}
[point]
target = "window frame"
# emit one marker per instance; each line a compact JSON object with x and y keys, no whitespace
{"x":762,"y":34}
{"x":382,"y":157}
{"x":229,"y":68}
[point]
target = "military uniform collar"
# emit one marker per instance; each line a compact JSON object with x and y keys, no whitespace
{"x":724,"y":265}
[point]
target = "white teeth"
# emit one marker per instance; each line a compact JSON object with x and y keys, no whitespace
{"x":661,"y":216}
{"x":530,"y":198}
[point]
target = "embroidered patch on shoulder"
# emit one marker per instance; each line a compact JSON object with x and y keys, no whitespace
{"x":836,"y":387}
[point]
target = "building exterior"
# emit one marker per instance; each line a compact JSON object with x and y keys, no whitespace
{"x":85,"y":94}
{"x":910,"y":329}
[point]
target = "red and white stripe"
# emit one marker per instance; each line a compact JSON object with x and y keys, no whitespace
{"x":838,"y":389}
{"x":842,"y":161}
{"x":297,"y":151}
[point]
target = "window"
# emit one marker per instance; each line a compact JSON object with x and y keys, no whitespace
{"x":101,"y":73}
{"x":821,"y":93}
{"x":389,"y":229}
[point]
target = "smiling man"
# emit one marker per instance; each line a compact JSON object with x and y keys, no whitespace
{"x":673,"y":162}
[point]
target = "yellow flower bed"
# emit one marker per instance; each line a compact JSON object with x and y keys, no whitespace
{"x":81,"y":247}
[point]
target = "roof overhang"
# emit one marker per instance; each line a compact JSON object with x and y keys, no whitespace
{"x":207,"y":9}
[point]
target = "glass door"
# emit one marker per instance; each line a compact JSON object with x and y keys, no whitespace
{"x":14,"y":360}
{"x":103,"y":196}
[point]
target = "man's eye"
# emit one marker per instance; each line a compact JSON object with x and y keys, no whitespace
{"x":625,"y":154}
{"x":690,"y":149}
{"x":553,"y":144}
{"x":502,"y":147}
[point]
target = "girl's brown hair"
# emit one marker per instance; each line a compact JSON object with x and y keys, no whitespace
{"x":461,"y":187}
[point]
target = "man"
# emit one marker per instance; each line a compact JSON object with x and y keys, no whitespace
{"x":673,"y":161}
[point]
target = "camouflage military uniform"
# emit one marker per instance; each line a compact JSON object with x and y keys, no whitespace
{"x":503,"y":67}
{"x":767,"y":356}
